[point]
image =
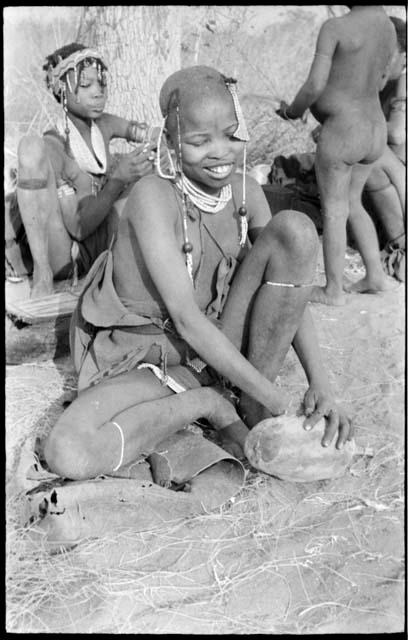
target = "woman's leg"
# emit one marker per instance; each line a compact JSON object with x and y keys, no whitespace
{"x":86,"y":442}
{"x":262,"y":319}
{"x":49,"y":241}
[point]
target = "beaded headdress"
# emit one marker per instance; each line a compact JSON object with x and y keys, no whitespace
{"x":58,"y":80}
{"x":55,"y":74}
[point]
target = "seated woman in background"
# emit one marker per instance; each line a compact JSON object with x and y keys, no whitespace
{"x":67,"y":182}
{"x":385,"y":187}
{"x":203,"y":292}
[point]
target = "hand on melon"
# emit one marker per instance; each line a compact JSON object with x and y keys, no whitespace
{"x":318,"y":402}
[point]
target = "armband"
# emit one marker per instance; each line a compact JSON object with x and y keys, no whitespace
{"x":65,"y":190}
{"x":398,"y":104}
{"x":136,"y":131}
{"x":284,"y":112}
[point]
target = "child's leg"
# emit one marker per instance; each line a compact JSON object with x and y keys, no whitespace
{"x":396,"y":172}
{"x":366,"y":236}
{"x":38,"y":203}
{"x":386,"y":202}
{"x":333,"y":179}
{"x":123,"y":419}
{"x":261,"y":318}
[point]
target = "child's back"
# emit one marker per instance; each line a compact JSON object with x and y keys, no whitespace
{"x":362,"y":44}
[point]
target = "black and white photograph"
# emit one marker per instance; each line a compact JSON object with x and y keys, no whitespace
{"x":205,"y":319}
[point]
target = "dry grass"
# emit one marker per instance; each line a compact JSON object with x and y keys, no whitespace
{"x":198,"y":575}
{"x":278,"y":558}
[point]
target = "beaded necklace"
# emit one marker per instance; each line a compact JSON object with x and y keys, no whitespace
{"x":83,"y":155}
{"x":201,"y":200}
{"x":204,"y":201}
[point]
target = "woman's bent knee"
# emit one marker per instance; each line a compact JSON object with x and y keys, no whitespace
{"x":295,"y":232}
{"x":67,"y":452}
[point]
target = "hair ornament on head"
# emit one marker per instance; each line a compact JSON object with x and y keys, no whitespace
{"x":241,"y":131}
{"x":55,"y":73}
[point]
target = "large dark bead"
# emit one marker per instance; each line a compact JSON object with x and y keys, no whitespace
{"x":242,"y":211}
{"x":187,"y":247}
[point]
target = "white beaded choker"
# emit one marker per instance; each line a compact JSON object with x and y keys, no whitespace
{"x":204,"y":201}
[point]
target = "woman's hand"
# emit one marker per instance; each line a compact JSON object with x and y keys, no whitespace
{"x":319,"y":402}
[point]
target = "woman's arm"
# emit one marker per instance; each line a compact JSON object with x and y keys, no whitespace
{"x":319,"y":399}
{"x":307,"y":349}
{"x":154,"y":217}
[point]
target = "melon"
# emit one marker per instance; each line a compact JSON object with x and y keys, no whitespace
{"x":281,"y":447}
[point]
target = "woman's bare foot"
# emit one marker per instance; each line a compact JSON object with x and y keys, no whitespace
{"x":371,"y":285}
{"x":324,"y":296}
{"x":233,"y":438}
{"x":222,"y":412}
{"x":232,"y":432}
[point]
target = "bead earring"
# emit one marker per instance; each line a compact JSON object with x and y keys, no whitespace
{"x":242,"y":211}
{"x":65,"y":109}
{"x":160,"y":171}
{"x":187,"y":246}
{"x":241,"y":133}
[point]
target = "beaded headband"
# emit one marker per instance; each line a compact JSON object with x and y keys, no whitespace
{"x":54,"y":74}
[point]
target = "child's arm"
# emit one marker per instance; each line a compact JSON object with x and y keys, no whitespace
{"x":91,"y":210}
{"x":318,"y":74}
{"x":115,"y":127}
{"x":396,"y":122}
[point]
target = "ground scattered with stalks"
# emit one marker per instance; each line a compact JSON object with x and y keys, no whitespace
{"x":323,"y":557}
{"x":280,"y":557}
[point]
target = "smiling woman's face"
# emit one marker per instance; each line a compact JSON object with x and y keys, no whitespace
{"x":209,"y":149}
{"x":90,"y":99}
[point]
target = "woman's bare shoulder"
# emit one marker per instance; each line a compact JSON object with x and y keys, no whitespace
{"x":152,"y":196}
{"x":154,"y":185}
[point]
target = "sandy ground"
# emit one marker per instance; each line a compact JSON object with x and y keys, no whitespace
{"x":322,"y":557}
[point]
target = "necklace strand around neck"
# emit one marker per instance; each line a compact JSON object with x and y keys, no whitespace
{"x":205,"y":201}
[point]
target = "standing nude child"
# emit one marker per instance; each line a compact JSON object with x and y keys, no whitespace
{"x":350,"y":67}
